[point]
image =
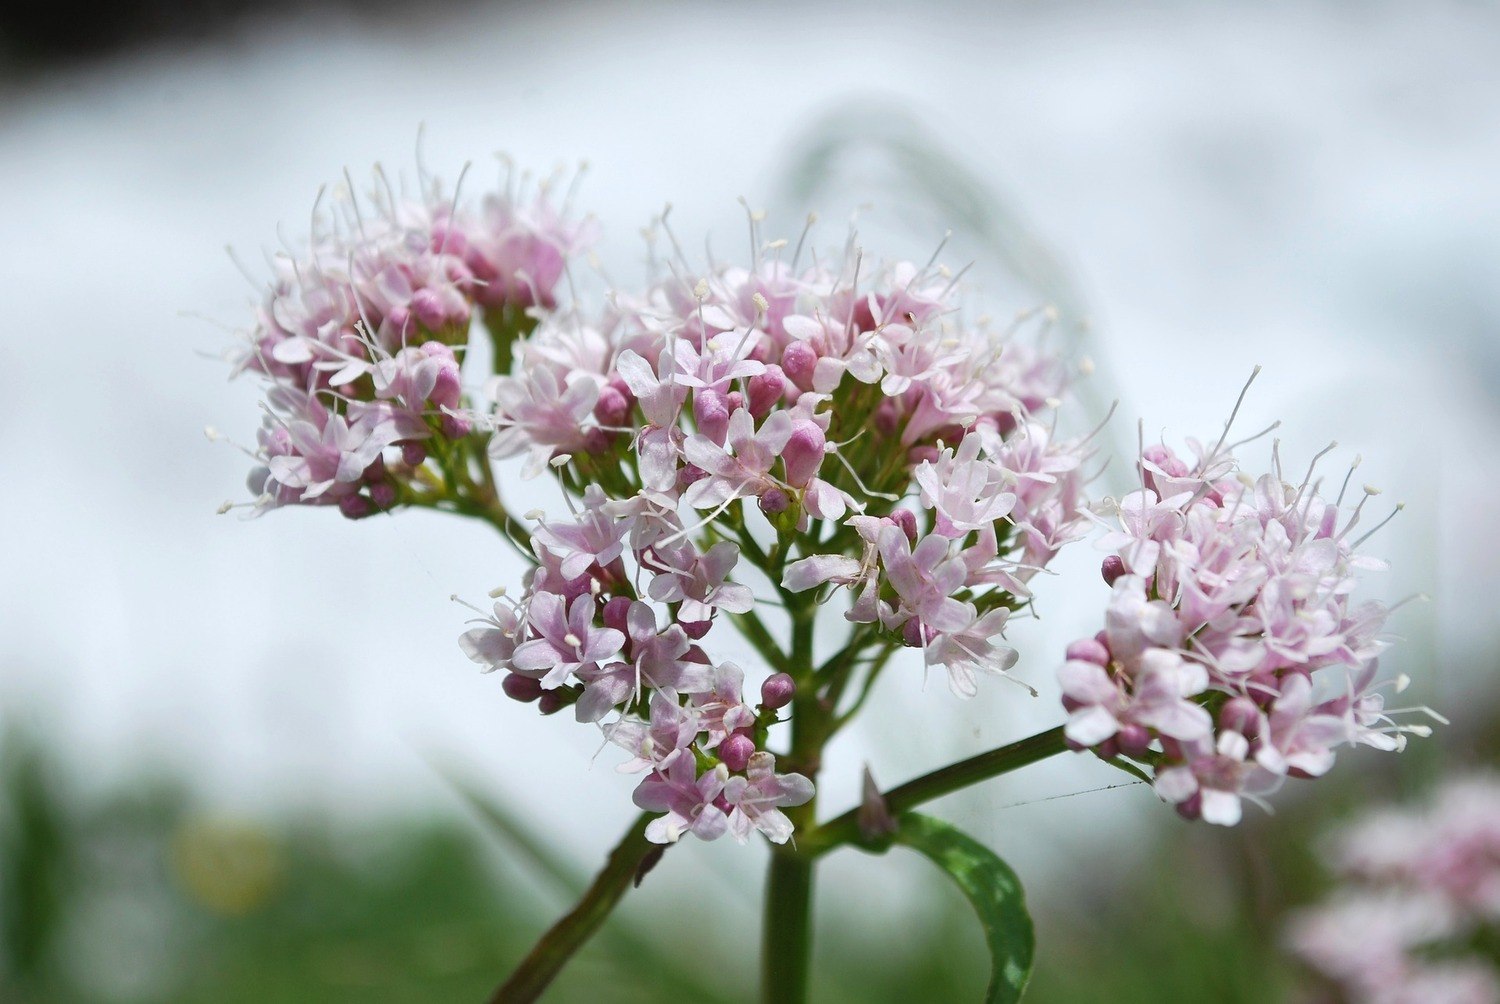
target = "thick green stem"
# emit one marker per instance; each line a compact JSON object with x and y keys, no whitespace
{"x":786,"y":946}
{"x":786,"y":954}
{"x":565,"y":937}
{"x":944,"y":781}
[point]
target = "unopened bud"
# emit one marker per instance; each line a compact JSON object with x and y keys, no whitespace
{"x":774,"y":501}
{"x":595,"y":441}
{"x":1240,"y":714}
{"x":1192,"y":808}
{"x":711,"y":414}
{"x":1089,"y":650}
{"x":1112,"y":569}
{"x":798,"y":360}
{"x":383,"y":494}
{"x":551,"y":702}
{"x":612,"y":408}
{"x":355,"y":506}
{"x":429,"y":309}
{"x":765,"y":390}
{"x":907,"y":521}
{"x":521,"y":688}
{"x":803,"y":455}
{"x":616,"y":612}
{"x":456,"y":426}
{"x":777,"y":691}
{"x":1134,"y":740}
{"x":413,"y":453}
{"x":736,"y":751}
{"x":913,"y":633}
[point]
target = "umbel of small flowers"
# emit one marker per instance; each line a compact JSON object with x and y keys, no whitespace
{"x":1416,"y":916}
{"x":708,"y":427}
{"x":361,"y":336}
{"x":1232,"y":656}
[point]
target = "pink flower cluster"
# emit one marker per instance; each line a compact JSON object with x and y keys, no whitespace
{"x":1419,"y":903}
{"x":361,"y":336}
{"x":993,"y":511}
{"x":1232,"y":656}
{"x":718,"y":414}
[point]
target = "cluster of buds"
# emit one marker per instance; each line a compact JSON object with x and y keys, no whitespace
{"x":1417,"y":914}
{"x":1232,"y":656}
{"x":362,"y":335}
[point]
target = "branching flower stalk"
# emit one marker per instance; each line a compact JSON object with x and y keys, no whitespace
{"x":798,"y":439}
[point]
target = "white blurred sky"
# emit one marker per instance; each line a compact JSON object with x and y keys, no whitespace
{"x":1306,"y":186}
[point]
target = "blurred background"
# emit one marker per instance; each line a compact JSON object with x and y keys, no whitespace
{"x":247,"y":761}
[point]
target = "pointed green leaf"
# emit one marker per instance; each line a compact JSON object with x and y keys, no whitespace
{"x":994,"y":892}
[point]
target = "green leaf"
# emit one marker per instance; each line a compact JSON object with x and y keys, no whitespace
{"x":994,"y":892}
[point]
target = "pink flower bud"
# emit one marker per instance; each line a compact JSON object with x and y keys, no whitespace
{"x":1109,"y":749}
{"x":688,"y":474}
{"x":736,"y":751}
{"x":735,"y":400}
{"x":447,"y":390}
{"x":922,"y":455}
{"x":777,"y":691}
{"x":595,"y":441}
{"x":355,"y":506}
{"x":448,"y":239}
{"x":456,"y":426}
{"x":521,"y":688}
{"x":1089,"y":650}
{"x":383,"y":494}
{"x":1192,"y":808}
{"x":413,"y":453}
{"x":1165,"y":459}
{"x":1112,"y":569}
{"x":398,"y":317}
{"x":798,"y":360}
{"x":429,"y":309}
{"x":774,"y":501}
{"x":612,"y":408}
{"x":618,"y":383}
{"x":696,"y":654}
{"x":913,"y":633}
{"x":907,"y":521}
{"x":615,"y":613}
{"x":1134,"y":740}
{"x":803,"y":455}
{"x":1240,"y":714}
{"x":696,"y":629}
{"x":887,"y":417}
{"x":765,"y":390}
{"x":711,"y":413}
{"x":551,"y":702}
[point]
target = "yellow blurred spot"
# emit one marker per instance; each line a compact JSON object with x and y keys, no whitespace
{"x":229,"y":866}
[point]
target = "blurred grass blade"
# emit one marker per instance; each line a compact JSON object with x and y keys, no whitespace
{"x":636,"y":954}
{"x":994,"y":892}
{"x":512,"y":831}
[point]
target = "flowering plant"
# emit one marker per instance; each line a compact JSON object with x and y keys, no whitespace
{"x":757,"y":447}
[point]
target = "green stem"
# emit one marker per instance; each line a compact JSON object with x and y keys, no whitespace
{"x":943,"y":781}
{"x":565,"y":937}
{"x":787,"y":945}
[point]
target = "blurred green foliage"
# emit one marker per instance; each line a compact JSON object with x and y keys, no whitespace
{"x":142,"y":896}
